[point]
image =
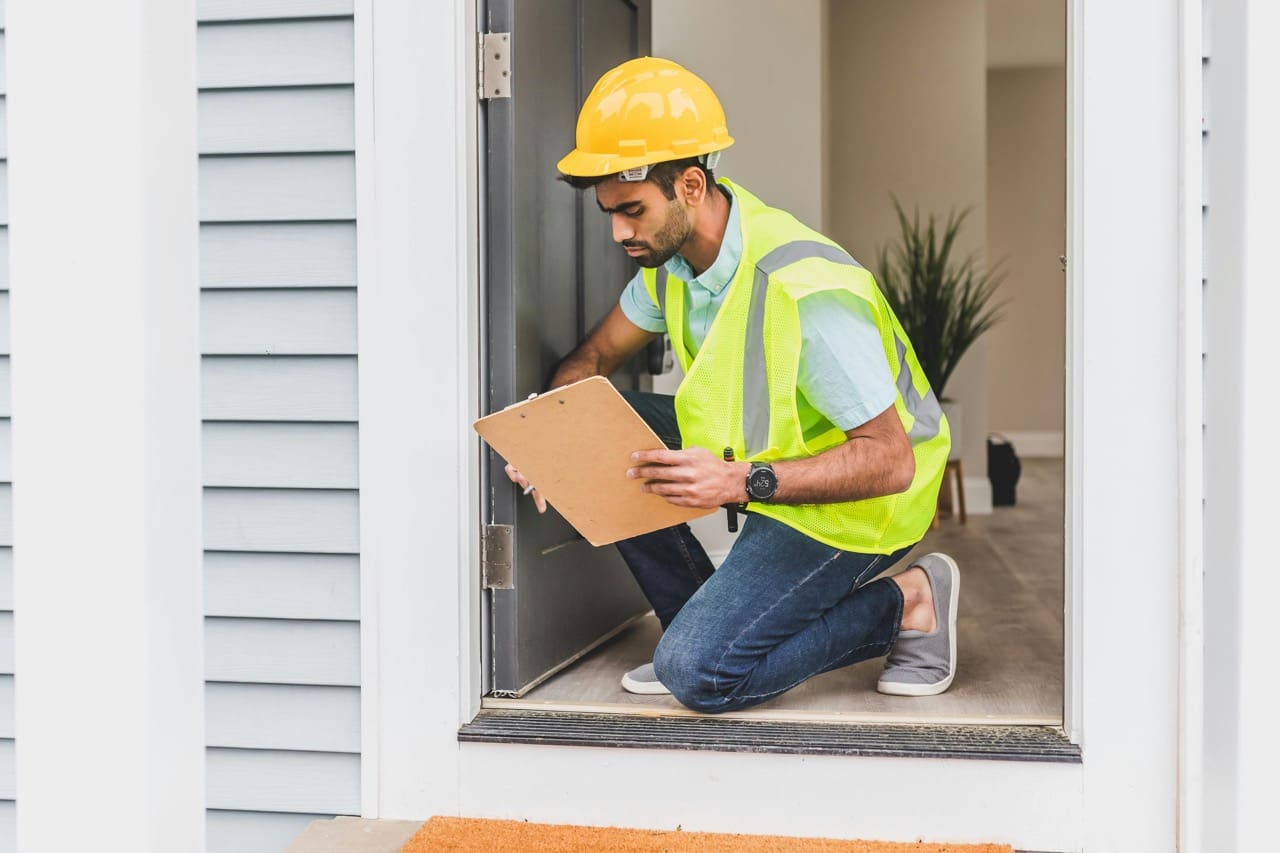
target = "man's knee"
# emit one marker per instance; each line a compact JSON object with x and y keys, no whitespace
{"x":692,"y":675}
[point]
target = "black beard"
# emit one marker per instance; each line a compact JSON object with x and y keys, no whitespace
{"x":667,"y":242}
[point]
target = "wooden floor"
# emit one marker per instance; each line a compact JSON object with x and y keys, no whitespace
{"x":1010,"y":657}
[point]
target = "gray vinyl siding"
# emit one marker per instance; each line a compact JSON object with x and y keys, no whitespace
{"x":279,"y":403}
{"x":8,"y":792}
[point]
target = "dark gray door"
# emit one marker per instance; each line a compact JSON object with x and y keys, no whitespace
{"x":552,"y":272}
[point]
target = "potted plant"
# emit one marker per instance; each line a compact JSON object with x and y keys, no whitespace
{"x":943,"y":302}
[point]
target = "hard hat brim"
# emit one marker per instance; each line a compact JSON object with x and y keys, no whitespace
{"x":589,"y":164}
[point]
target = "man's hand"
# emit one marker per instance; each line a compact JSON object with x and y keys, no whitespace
{"x":695,"y":477}
{"x":519,"y":479}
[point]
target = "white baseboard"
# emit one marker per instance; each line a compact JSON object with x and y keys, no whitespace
{"x":1034,"y":444}
{"x":977,"y":496}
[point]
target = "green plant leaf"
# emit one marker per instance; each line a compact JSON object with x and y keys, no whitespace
{"x":944,"y":303}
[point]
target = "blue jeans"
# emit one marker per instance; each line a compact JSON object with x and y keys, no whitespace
{"x":781,"y":609}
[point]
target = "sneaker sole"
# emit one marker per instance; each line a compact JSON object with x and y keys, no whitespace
{"x":644,"y":688}
{"x":898,"y":688}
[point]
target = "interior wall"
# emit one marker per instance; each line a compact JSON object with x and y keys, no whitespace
{"x":907,"y":94}
{"x":1026,"y":226}
{"x":774,"y":108}
{"x":776,"y":113}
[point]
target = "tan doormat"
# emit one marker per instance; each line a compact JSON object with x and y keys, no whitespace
{"x":472,"y":835}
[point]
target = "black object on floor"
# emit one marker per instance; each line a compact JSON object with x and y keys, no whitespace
{"x":1003,"y":470}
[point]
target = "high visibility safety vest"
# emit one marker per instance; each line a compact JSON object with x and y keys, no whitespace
{"x":740,"y":390}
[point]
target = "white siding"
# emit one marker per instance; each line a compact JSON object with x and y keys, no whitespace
{"x":274,"y":322}
{"x":261,"y":121}
{"x":278,"y":334}
{"x":282,"y":586}
{"x":235,"y":10}
{"x":8,"y":835}
{"x":279,"y":455}
{"x":297,"y":254}
{"x":269,"y":780}
{"x":275,"y":53}
{"x":277,"y":187}
{"x":272,"y":388}
{"x":298,"y":717}
{"x":254,"y":832}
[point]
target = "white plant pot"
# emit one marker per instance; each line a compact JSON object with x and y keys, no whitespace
{"x":955,"y":417}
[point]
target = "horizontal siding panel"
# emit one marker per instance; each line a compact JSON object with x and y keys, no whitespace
{"x":280,"y":455}
{"x":277,"y":187}
{"x":6,"y":450}
{"x":6,"y":578}
{"x":4,"y":258}
{"x":6,"y":514}
{"x":282,"y":586}
{"x":258,"y":121}
{"x":297,"y":520}
{"x":254,"y":832}
{"x":4,"y":78}
{"x":8,"y":786}
{"x":280,"y":651}
{"x":6,"y":706}
{"x":279,"y":716}
{"x":277,"y":322}
{"x":6,"y":399}
{"x":268,"y":780}
{"x":8,"y":827}
{"x":4,"y":323}
{"x":278,"y":53}
{"x":275,"y":388}
{"x":233,"y":10}
{"x":6,"y":644}
{"x":311,"y":254}
{"x":4,"y":126}
{"x":4,"y":192}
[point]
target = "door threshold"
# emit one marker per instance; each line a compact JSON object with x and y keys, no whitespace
{"x":691,"y":731}
{"x":655,"y":707}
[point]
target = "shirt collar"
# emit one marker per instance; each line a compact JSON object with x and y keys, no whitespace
{"x":725,"y":267}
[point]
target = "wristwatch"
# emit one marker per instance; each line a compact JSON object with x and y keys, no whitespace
{"x":762,"y":483}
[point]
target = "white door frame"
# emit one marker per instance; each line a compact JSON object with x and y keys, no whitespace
{"x":1130,"y":309}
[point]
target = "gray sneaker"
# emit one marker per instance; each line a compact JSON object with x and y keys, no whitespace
{"x":923,"y":664}
{"x":642,"y":680}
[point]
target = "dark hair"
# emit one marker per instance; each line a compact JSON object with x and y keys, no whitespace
{"x":663,"y":175}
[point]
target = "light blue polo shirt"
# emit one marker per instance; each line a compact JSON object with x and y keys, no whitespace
{"x":843,"y":370}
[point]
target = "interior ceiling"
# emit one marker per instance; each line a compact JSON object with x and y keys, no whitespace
{"x":1022,"y":33}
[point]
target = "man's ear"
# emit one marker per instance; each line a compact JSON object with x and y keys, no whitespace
{"x":694,"y":181}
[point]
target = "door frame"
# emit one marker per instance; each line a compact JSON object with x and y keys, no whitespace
{"x":1129,"y":187}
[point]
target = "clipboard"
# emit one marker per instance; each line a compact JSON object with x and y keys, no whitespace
{"x":575,"y":445}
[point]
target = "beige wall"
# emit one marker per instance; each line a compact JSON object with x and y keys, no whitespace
{"x":764,"y":59}
{"x":907,"y":96}
{"x":1026,"y":224}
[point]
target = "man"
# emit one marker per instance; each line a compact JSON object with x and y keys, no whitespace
{"x":797,"y":371}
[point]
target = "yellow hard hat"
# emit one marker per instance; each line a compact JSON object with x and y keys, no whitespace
{"x":645,"y":111}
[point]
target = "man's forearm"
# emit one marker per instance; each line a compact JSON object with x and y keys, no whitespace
{"x":580,"y":364}
{"x":860,"y":468}
{"x":876,"y":460}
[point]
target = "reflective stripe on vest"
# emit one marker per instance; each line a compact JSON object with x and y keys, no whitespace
{"x":926,"y":412}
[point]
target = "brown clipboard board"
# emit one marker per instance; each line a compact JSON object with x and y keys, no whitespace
{"x":575,"y":444}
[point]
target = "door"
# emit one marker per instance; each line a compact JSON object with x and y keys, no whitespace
{"x":552,"y":272}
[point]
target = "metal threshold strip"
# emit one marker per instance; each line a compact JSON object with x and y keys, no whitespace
{"x":991,"y":743}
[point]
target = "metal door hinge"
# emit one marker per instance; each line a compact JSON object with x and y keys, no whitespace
{"x":497,"y":557}
{"x":494,"y":71}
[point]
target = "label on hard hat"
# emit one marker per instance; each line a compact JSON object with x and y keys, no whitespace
{"x":635,"y":173}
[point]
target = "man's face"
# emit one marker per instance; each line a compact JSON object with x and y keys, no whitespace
{"x":650,"y":227}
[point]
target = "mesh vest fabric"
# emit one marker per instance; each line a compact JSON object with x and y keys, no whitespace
{"x":739,"y":390}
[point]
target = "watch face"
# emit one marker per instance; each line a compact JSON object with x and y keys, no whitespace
{"x":762,"y":483}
